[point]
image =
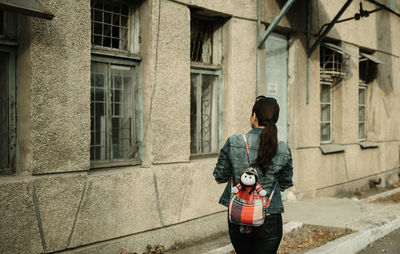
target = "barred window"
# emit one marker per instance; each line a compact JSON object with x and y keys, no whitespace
{"x":113,"y":112}
{"x":201,"y":40}
{"x":331,"y":72}
{"x":114,"y":124}
{"x":110,"y":24}
{"x":206,"y":84}
{"x":205,"y":111}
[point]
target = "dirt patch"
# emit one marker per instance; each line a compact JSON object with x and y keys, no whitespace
{"x":372,"y":191}
{"x":392,"y":199}
{"x":308,"y":237}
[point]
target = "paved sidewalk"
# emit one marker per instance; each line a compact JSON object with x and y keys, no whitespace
{"x":371,"y":221}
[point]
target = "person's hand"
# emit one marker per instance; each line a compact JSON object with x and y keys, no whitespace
{"x":218,"y":182}
{"x":282,"y":189}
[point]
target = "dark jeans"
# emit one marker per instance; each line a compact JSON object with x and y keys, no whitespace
{"x":262,"y":240}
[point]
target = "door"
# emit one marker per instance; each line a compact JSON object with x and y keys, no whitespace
{"x":276,"y":78}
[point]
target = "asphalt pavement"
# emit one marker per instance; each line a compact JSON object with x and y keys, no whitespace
{"x":389,"y":244}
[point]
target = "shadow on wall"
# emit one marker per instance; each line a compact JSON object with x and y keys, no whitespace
{"x":384,"y":43}
{"x":296,"y":17}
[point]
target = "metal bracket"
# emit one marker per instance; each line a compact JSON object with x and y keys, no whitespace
{"x":275,"y":22}
{"x":328,"y":29}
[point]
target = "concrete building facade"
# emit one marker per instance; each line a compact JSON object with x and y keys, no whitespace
{"x":114,"y":113}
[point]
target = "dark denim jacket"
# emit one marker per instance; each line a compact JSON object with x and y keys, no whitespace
{"x":233,"y":160}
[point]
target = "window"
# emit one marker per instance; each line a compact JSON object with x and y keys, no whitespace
{"x":206,"y":86}
{"x":332,"y":59}
{"x":110,"y":24}
{"x":7,"y":110}
{"x":1,"y":22}
{"x":362,"y":94}
{"x":326,"y":111}
{"x":114,"y":124}
{"x":205,"y":111}
{"x":8,"y":28}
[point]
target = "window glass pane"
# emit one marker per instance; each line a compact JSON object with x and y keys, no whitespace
{"x":98,"y":140}
{"x":325,"y":132}
{"x":361,"y":130}
{"x":325,"y":112}
{"x":4,"y":109}
{"x":123,"y":112}
{"x":361,"y":113}
{"x":361,"y":95}
{"x":110,"y":23}
{"x":209,"y":109}
{"x":325,"y":93}
{"x":193,"y":112}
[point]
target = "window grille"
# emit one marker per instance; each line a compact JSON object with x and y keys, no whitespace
{"x":201,"y":40}
{"x":331,"y":65}
{"x":205,"y":111}
{"x":362,"y":94}
{"x":113,"y":116}
{"x":110,"y":23}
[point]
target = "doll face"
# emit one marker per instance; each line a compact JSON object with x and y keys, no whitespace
{"x":248,"y":179}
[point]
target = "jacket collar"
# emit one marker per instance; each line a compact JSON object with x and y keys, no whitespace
{"x":256,"y":130}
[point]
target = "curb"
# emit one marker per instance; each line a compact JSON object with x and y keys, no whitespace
{"x":228,"y":248}
{"x":355,"y":242}
{"x":380,"y":195}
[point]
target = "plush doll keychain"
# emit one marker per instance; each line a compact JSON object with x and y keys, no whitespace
{"x":249,"y":179}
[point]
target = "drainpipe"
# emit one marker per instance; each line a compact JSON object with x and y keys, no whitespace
{"x":308,"y":47}
{"x":258,"y":49}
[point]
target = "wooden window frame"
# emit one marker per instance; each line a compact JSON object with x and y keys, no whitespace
{"x":12,"y":101}
{"x":215,"y":71}
{"x":362,"y":86}
{"x":131,"y":62}
{"x":133,"y":34}
{"x":330,"y":113}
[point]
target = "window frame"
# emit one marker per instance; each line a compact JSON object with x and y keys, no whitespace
{"x":131,"y":62}
{"x":362,"y":86}
{"x":133,"y":34}
{"x":330,"y":113}
{"x":129,"y":57}
{"x":214,"y":70}
{"x":12,"y":110}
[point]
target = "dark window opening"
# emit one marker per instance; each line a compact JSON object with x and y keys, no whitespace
{"x":368,"y":70}
{"x":1,"y":22}
{"x":201,"y":40}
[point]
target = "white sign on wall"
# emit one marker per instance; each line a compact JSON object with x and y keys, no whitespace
{"x":272,"y":89}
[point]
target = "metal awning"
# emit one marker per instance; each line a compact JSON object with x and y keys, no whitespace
{"x":372,"y":58}
{"x":339,"y":49}
{"x":391,"y":5}
{"x":26,"y":7}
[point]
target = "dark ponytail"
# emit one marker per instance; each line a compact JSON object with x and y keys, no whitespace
{"x":267,"y":113}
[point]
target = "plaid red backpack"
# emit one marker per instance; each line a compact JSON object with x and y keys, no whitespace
{"x":247,"y":207}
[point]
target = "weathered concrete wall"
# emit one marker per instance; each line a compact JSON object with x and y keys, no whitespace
{"x":18,"y":223}
{"x":170,"y":116}
{"x":161,"y":201}
{"x":60,"y":62}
